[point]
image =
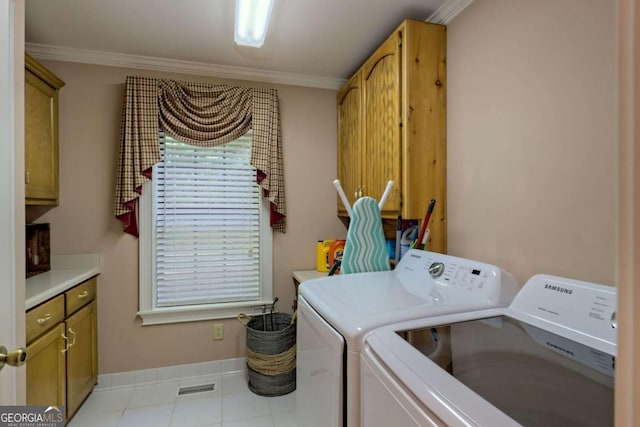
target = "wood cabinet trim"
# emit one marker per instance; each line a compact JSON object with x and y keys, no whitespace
{"x":353,"y":83}
{"x":42,"y":72}
{"x":390,"y":47}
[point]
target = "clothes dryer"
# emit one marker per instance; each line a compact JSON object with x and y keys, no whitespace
{"x":334,"y":314}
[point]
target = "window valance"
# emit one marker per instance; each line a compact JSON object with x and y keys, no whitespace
{"x":201,"y":114}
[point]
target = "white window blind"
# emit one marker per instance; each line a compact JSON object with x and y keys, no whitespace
{"x":207,"y":213}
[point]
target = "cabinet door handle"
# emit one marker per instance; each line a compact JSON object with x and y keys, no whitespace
{"x":26,"y":177}
{"x":74,"y":338}
{"x":43,"y":320}
{"x":83,"y":295}
{"x":66,"y":344}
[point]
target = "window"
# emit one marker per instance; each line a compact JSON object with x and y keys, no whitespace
{"x":205,"y":240}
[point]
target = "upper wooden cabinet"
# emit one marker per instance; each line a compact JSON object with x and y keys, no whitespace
{"x":41,"y":134}
{"x":392,"y":126}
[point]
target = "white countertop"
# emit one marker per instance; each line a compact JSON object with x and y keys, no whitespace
{"x":302,"y":275}
{"x":66,"y":272}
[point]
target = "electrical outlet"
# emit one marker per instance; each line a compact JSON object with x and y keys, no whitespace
{"x":218,"y":331}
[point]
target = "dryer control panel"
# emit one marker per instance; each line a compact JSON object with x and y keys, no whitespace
{"x":469,"y":276}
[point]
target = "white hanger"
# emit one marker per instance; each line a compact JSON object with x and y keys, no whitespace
{"x":346,"y":204}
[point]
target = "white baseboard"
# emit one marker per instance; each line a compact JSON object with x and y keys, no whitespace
{"x":170,"y":373}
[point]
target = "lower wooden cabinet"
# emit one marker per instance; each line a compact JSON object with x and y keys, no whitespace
{"x":62,"y":355}
{"x":46,"y":369}
{"x":82,"y":357}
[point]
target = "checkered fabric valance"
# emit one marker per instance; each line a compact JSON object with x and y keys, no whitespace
{"x":201,"y":114}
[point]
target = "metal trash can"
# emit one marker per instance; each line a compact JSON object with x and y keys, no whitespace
{"x":271,"y":354}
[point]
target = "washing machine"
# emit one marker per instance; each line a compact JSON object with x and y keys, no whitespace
{"x":546,"y":360}
{"x":334,"y":314}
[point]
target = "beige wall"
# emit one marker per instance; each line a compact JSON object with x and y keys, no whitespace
{"x":90,"y":109}
{"x":532,"y":136}
{"x":531,"y":167}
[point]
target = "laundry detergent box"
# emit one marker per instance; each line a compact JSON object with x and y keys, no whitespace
{"x":327,"y":253}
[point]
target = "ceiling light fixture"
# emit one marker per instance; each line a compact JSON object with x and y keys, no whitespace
{"x":252,"y":21}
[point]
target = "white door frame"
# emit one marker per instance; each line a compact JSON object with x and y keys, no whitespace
{"x":627,"y":391}
{"x":12,"y":205}
{"x":12,"y":214}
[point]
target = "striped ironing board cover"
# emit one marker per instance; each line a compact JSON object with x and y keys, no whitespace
{"x":366,"y":248}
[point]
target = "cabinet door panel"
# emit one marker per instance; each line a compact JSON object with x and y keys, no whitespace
{"x":46,"y":369}
{"x":382,"y":123}
{"x":350,"y":153}
{"x":82,"y":360}
{"x":41,"y":141}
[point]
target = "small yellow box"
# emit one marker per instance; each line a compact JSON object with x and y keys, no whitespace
{"x":323,"y":263}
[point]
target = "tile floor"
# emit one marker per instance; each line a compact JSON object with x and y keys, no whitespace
{"x":157,"y":405}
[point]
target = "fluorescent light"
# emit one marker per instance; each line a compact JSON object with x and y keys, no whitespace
{"x":252,"y":21}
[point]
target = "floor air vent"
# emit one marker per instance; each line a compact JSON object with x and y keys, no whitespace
{"x":203,"y":388}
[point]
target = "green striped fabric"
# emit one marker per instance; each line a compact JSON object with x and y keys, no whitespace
{"x":365,"y":248}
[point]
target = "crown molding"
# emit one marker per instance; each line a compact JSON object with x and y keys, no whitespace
{"x":114,"y":59}
{"x":449,"y":10}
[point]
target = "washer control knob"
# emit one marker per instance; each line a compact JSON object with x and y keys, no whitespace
{"x":436,"y":269}
{"x":614,"y":321}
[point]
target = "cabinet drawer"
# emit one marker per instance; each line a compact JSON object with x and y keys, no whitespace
{"x":41,"y":318}
{"x":80,"y":296}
